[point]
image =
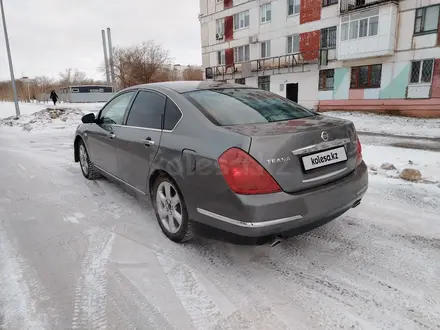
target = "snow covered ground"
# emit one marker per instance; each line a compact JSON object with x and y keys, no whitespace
{"x":382,"y":124}
{"x":76,"y":254}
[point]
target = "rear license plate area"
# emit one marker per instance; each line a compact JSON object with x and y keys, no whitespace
{"x":324,"y":158}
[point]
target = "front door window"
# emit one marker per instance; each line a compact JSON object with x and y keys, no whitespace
{"x":113,"y":113}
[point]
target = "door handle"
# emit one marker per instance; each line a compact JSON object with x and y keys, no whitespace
{"x":111,"y":135}
{"x":148,"y":141}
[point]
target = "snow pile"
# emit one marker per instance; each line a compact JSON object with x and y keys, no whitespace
{"x":392,"y":162}
{"x":54,"y":117}
{"x":394,"y":125}
{"x":7,"y":109}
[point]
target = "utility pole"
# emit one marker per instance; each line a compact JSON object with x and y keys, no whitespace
{"x":112,"y":67}
{"x":104,"y":46}
{"x":11,"y":68}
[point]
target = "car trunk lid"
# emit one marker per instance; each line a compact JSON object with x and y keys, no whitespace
{"x":303,"y":153}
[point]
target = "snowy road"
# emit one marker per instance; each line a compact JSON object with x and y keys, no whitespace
{"x":84,"y":255}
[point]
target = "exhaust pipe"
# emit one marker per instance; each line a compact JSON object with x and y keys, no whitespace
{"x":277,"y":240}
{"x":356,"y":203}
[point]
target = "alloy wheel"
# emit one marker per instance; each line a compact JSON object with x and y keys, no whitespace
{"x":169,"y":207}
{"x":84,"y":159}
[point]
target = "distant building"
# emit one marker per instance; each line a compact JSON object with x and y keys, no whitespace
{"x":375,"y":55}
{"x":85,"y":93}
{"x":179,"y":69}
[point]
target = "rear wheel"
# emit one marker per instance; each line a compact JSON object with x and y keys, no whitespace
{"x":171,"y":212}
{"x":87,"y":167}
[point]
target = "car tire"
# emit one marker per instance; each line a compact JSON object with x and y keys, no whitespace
{"x":170,"y":207}
{"x":87,"y":168}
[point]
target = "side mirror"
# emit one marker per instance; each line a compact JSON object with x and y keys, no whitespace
{"x":89,"y":118}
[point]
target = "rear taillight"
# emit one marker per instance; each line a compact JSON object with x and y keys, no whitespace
{"x":358,"y":152}
{"x":245,"y":175}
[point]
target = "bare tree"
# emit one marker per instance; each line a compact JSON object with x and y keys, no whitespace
{"x":192,"y":73}
{"x":73,"y":77}
{"x":139,"y":64}
{"x":44,"y":83}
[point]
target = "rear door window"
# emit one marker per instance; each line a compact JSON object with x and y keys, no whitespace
{"x":172,"y":115}
{"x":238,"y":106}
{"x":147,"y":110}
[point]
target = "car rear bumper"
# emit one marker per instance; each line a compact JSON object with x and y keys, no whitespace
{"x":290,"y":214}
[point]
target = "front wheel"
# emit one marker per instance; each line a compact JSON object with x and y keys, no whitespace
{"x":87,"y":167}
{"x":171,"y":212}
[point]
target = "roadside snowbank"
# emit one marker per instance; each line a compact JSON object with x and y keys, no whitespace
{"x":7,"y":109}
{"x":394,"y":125}
{"x":427,"y":162}
{"x":55,"y":118}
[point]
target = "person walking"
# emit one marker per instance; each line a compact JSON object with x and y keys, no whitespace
{"x":54,"y":97}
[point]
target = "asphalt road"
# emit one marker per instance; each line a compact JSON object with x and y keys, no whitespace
{"x":76,"y":254}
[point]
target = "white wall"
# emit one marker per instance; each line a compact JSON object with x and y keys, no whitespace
{"x":307,"y":86}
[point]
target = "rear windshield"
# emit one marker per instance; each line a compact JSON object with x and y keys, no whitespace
{"x":238,"y":106}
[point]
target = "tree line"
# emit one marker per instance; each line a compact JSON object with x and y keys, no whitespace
{"x":145,"y":63}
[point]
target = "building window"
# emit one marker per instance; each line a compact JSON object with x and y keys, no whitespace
{"x":426,"y":19}
{"x":421,"y":71}
{"x":361,"y":25}
{"x":326,"y":79}
{"x":264,"y":83}
{"x":221,"y":57}
{"x":241,"y":20}
{"x":265,"y":49}
{"x":241,"y":54}
{"x":241,"y":81}
{"x":220,"y":26}
{"x":328,"y":38}
{"x":329,"y":2}
{"x":293,"y":44}
{"x":367,"y":76}
{"x":265,"y":13}
{"x":293,"y":7}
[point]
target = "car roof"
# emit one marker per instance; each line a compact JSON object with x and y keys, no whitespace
{"x":188,"y":86}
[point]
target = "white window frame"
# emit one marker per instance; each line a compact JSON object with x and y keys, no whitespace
{"x":264,"y":10}
{"x":241,"y":18}
{"x":420,"y":82}
{"x":266,"y":47}
{"x":294,"y":37}
{"x":218,"y":1}
{"x":221,"y":57}
{"x":294,"y":3}
{"x":347,"y":25}
{"x":237,"y":52}
{"x":220,"y":26}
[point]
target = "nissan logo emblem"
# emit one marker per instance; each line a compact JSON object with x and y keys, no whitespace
{"x":324,"y":136}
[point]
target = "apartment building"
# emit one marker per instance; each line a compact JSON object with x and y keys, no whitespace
{"x":375,"y":55}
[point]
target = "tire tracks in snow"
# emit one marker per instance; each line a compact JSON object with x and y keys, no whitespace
{"x":90,"y":305}
{"x":18,"y":308}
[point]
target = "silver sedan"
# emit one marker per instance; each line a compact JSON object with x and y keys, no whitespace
{"x":233,"y":157}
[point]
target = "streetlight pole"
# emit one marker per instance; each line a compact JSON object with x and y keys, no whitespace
{"x":11,"y":68}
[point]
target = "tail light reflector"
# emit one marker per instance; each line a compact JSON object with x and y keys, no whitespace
{"x":244,"y":175}
{"x":358,"y":152}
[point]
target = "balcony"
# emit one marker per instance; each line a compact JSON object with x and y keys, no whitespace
{"x":351,"y":5}
{"x":368,"y":33}
{"x":290,"y":63}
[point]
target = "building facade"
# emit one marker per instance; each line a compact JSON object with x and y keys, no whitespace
{"x":86,"y":93}
{"x":374,"y":55}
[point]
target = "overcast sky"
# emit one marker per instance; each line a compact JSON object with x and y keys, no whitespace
{"x":48,"y":36}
